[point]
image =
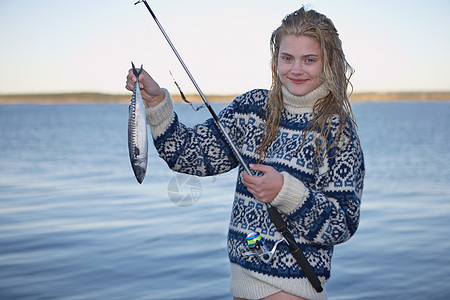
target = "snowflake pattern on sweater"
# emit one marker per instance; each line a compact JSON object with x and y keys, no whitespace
{"x":320,"y":202}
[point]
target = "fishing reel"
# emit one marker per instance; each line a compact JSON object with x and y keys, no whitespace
{"x":257,"y":247}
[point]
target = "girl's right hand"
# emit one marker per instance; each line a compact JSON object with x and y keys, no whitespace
{"x":150,"y":90}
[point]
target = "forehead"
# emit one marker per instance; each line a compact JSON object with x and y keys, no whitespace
{"x":299,"y":45}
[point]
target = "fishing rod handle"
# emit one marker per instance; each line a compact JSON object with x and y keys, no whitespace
{"x":295,"y":249}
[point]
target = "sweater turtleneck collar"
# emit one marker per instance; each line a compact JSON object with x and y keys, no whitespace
{"x":298,"y":104}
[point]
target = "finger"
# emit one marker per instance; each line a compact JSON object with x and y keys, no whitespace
{"x":129,"y":86}
{"x":253,"y":192}
{"x":131,"y":77}
{"x":261,"y":168}
{"x":246,"y":177}
{"x":144,"y":75}
{"x":250,"y":180}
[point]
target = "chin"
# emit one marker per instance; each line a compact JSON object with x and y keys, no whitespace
{"x":299,"y":92}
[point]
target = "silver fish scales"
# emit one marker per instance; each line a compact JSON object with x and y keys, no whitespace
{"x":137,"y":131}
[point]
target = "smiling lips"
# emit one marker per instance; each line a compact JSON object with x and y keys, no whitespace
{"x":298,"y":81}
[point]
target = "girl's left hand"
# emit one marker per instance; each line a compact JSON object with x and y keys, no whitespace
{"x":265,"y":188}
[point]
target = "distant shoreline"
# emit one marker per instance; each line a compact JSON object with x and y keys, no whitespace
{"x":87,"y":98}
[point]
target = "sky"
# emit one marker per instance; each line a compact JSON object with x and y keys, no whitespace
{"x":51,"y":46}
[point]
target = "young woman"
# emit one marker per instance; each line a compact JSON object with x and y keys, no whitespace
{"x":300,"y":139}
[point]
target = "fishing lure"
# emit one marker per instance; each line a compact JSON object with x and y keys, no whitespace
{"x":184,"y":97}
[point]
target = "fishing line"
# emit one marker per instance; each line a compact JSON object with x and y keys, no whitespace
{"x":183,"y":97}
{"x":274,"y":214}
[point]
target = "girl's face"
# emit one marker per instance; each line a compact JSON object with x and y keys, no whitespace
{"x":299,"y":64}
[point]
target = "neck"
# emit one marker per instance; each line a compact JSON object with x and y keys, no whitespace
{"x":305,"y":103}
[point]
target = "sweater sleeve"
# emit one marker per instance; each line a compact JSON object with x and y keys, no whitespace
{"x":160,"y":116}
{"x":201,"y":150}
{"x":327,"y":211}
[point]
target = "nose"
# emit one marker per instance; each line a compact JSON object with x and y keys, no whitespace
{"x":297,"y":68}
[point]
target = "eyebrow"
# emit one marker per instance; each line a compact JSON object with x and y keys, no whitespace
{"x":306,"y":55}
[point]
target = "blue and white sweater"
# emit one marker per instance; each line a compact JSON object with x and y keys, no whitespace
{"x":320,"y":202}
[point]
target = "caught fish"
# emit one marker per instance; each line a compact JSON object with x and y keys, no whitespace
{"x":137,"y":131}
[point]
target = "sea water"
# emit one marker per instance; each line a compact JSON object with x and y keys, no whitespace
{"x":75,"y":224}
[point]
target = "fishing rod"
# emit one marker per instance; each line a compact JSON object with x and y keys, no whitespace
{"x":274,"y":214}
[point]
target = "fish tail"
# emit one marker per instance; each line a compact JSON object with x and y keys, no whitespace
{"x":135,"y":72}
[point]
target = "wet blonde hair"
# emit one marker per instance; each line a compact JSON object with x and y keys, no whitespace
{"x":335,"y":74}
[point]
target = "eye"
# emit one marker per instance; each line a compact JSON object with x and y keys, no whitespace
{"x":286,"y":58}
{"x":310,"y":60}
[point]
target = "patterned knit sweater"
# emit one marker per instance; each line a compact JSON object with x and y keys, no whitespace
{"x":319,"y":201}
